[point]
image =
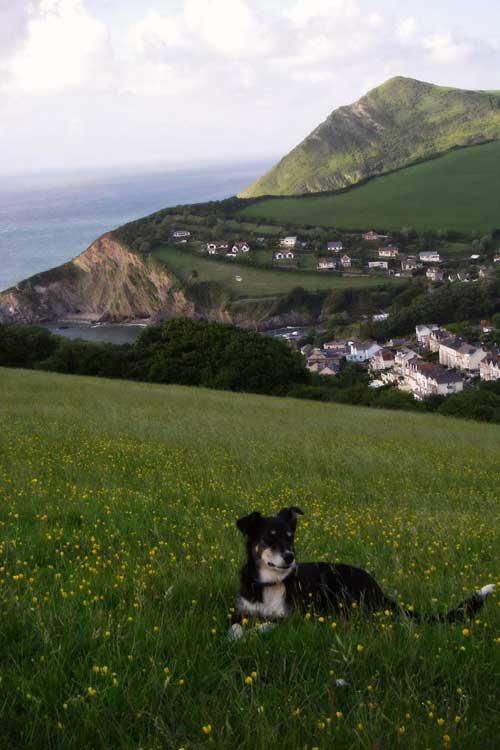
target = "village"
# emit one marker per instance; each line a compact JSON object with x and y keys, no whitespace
{"x":435,"y":363}
{"x":372,"y":253}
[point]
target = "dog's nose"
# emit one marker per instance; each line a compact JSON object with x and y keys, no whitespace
{"x":288,"y":557}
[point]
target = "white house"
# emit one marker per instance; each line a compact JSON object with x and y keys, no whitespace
{"x":436,"y":338}
{"x":402,"y":358}
{"x":384,"y":264}
{"x":345,"y":261}
{"x":240,"y":247}
{"x":454,"y":352}
{"x":284,"y":255}
{"x":340,"y":347}
{"x":290,"y":242}
{"x":380,"y":317}
{"x":496,"y":259}
{"x":424,"y":331}
{"x":216,"y":247}
{"x":181,"y":234}
{"x":336,"y":246}
{"x":327,"y":264}
{"x":430,"y":256}
{"x":427,"y":379}
{"x":382,"y":360}
{"x":371,"y":236}
{"x":388,"y":252}
{"x":489,"y":367}
{"x":434,"y":274}
{"x":362,"y":352}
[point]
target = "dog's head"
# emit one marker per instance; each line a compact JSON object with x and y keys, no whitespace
{"x":271,"y":540}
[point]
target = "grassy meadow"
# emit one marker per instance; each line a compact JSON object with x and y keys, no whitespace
{"x":457,"y":191}
{"x":119,"y":566}
{"x":257,"y":282}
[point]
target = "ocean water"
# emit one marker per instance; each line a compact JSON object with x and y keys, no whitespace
{"x":46,"y":220}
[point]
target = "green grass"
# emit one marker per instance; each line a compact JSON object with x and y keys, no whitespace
{"x":256,"y":282}
{"x":120,"y":555}
{"x":458,"y":191}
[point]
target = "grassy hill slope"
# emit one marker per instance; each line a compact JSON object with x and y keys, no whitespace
{"x":394,"y":125}
{"x":120,"y":558}
{"x":457,"y":191}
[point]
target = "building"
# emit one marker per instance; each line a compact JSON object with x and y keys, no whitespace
{"x":362,"y":352}
{"x":430,"y":256}
{"x":380,"y":317}
{"x":456,"y":353}
{"x":335,"y":246}
{"x":423,"y":332}
{"x":371,"y":236}
{"x":319,"y":359}
{"x":181,"y":234}
{"x":289,"y":242}
{"x":391,"y":251}
{"x":489,"y":367}
{"x":496,"y":259}
{"x":383,"y":264}
{"x":426,"y":379}
{"x":240,"y":247}
{"x":339,"y":348}
{"x":327,"y":264}
{"x":409,"y":263}
{"x":284,"y":255}
{"x":402,"y":358}
{"x":217,"y":247}
{"x":436,"y":338}
{"x":382,"y":360}
{"x":434,"y":274}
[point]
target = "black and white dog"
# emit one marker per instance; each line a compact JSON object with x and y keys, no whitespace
{"x":273,"y":585}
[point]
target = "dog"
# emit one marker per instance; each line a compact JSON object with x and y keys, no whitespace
{"x":273,"y":585}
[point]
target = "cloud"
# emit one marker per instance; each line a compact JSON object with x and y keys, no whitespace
{"x":444,"y":49}
{"x":407,"y":29}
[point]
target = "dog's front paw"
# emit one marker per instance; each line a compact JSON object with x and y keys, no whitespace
{"x":235,"y":632}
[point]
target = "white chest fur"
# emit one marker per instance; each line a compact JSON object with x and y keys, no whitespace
{"x":273,"y":603}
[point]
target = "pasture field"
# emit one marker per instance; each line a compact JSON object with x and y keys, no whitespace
{"x":119,"y":567}
{"x":457,"y":191}
{"x":257,"y":282}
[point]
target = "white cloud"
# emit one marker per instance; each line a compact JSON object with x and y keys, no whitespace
{"x":407,"y":29}
{"x":304,"y":12}
{"x":229,"y":27}
{"x":444,"y":49}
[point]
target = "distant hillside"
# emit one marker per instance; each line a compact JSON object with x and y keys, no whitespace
{"x":394,"y":125}
{"x":458,"y":191}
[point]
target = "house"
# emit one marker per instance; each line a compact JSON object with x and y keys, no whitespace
{"x":318,"y":360}
{"x":284,"y":255}
{"x":484,"y":272}
{"x":463,"y":276}
{"x":378,"y":264}
{"x":424,"y":331}
{"x":452,"y":277}
{"x":426,"y":379}
{"x":382,"y":360}
{"x":456,"y":353}
{"x":489,"y":367}
{"x":430,"y":256}
{"x":388,"y":252}
{"x":436,"y":338}
{"x":409,"y":263}
{"x":327,"y":372}
{"x":336,"y":246}
{"x":496,"y":259}
{"x":217,"y":247}
{"x":345,"y":261}
{"x":380,"y":317}
{"x":240,"y":247}
{"x":362,"y":352}
{"x":338,"y":348}
{"x":289,"y":242}
{"x":434,"y":274}
{"x":181,"y":234}
{"x":371,"y":236}
{"x":475,"y":256}
{"x":327,"y":264}
{"x":402,"y":358}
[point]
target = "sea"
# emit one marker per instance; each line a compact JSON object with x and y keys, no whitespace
{"x":47,"y":219}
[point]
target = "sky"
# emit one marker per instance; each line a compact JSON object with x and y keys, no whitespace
{"x":86,"y":84}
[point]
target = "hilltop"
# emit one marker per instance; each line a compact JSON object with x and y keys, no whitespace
{"x":119,"y":503}
{"x":396,"y":124}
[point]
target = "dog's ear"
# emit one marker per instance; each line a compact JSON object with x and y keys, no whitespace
{"x":249,"y":524}
{"x":289,"y":515}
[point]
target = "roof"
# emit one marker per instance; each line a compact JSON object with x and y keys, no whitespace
{"x":435,"y":372}
{"x":385,"y":355}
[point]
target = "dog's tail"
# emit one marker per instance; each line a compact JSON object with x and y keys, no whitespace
{"x":465,"y":610}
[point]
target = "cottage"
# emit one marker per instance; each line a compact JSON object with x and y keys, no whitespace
{"x":463,"y":276}
{"x":284,"y":255}
{"x":426,"y":379}
{"x":362,"y":352}
{"x":336,"y":246}
{"x":371,"y":236}
{"x":217,"y":247}
{"x":424,"y":331}
{"x":378,"y":264}
{"x":391,"y":251}
{"x":436,"y":338}
{"x":380,"y":317}
{"x":338,"y":348}
{"x":430,"y":256}
{"x":496,"y":259}
{"x":181,"y":234}
{"x":402,"y":358}
{"x":240,"y":247}
{"x":327,"y":372}
{"x":456,"y":353}
{"x":345,"y":261}
{"x":382,"y":360}
{"x":409,"y":263}
{"x":489,"y":367}
{"x":434,"y":274}
{"x":289,"y":242}
{"x":327,"y":264}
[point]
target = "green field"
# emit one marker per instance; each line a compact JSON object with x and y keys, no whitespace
{"x":120,"y":556}
{"x":257,"y":282}
{"x":458,"y":191}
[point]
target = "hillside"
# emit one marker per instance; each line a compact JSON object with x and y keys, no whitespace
{"x":120,"y":559}
{"x":457,"y":191}
{"x":392,"y":126}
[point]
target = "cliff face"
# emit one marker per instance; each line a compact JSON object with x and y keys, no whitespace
{"x":105,"y":282}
